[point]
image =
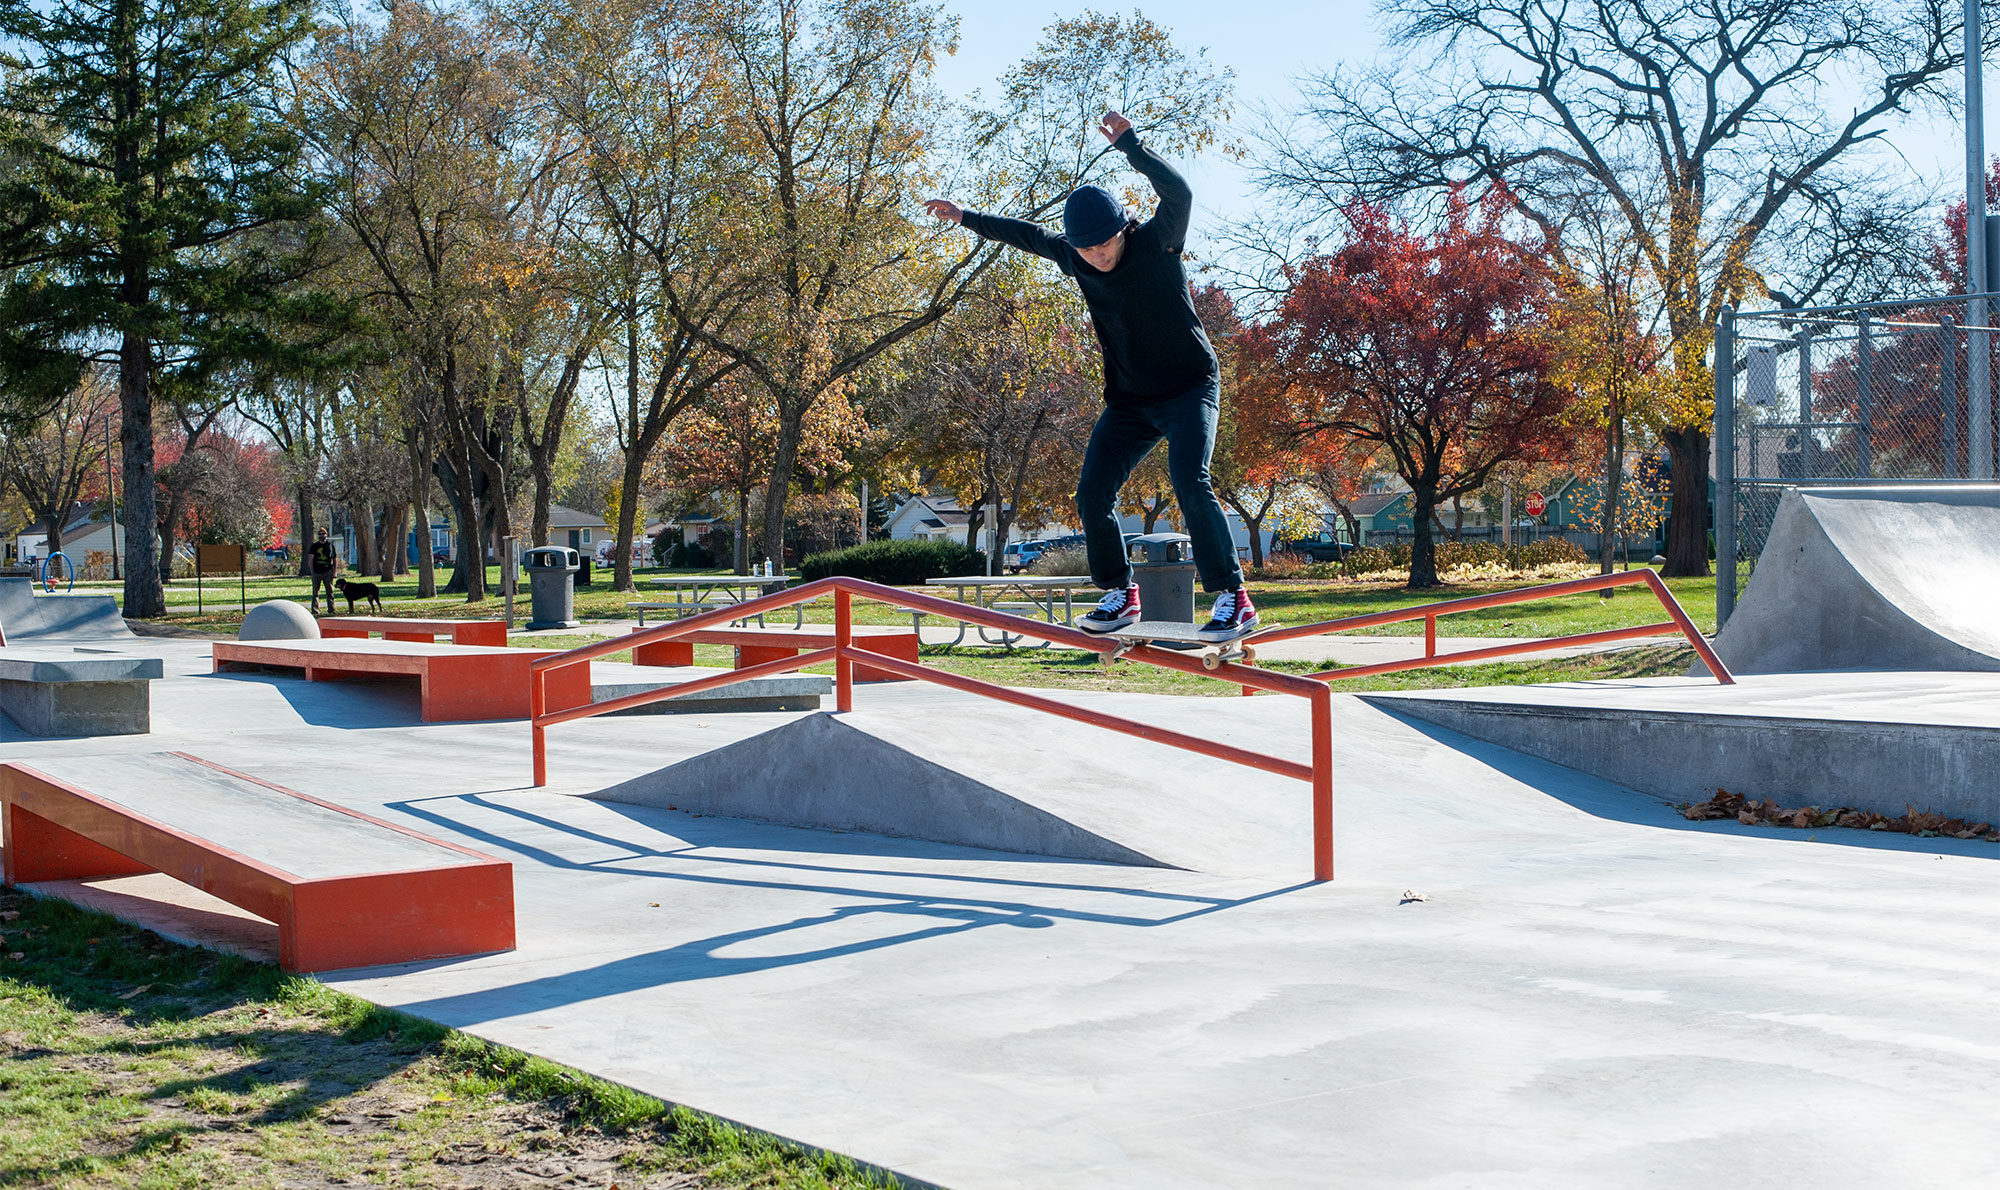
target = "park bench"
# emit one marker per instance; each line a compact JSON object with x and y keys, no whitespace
{"x":461,"y":632}
{"x":755,"y":646}
{"x":53,"y":691}
{"x":454,"y":681}
{"x":343,"y":888}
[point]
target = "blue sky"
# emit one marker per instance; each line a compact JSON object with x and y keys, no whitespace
{"x":1270,"y":43}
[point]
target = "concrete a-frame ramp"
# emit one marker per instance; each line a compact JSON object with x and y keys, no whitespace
{"x":25,"y":615}
{"x":996,"y":777}
{"x":1873,"y":578}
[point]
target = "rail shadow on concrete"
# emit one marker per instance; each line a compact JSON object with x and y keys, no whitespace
{"x":1607,"y":800}
{"x":987,"y":901}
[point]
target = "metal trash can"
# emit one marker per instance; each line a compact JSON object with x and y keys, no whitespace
{"x":1163,"y":566}
{"x":583,"y":571}
{"x":550,"y":586}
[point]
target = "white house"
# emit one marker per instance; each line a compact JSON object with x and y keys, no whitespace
{"x":580,"y":531}
{"x":84,"y":535}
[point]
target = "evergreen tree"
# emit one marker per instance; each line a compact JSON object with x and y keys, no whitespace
{"x":152,"y":207}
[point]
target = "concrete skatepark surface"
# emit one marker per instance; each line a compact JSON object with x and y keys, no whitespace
{"x":1595,"y":993}
{"x":1873,"y":578}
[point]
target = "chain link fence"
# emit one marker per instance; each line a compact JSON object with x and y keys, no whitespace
{"x":1885,"y":393}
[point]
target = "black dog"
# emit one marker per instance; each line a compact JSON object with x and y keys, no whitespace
{"x":372,"y":592}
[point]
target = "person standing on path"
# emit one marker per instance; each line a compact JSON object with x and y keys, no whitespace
{"x":1160,"y":376}
{"x":320,"y":563}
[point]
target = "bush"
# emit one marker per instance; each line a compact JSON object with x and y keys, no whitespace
{"x":895,"y":563}
{"x":1069,"y":560}
{"x":688,"y":555}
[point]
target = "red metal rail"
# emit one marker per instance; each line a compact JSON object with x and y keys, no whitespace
{"x":844,"y":655}
{"x":1678,"y":621}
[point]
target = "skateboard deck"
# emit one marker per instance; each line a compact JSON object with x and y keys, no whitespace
{"x":1185,"y":637}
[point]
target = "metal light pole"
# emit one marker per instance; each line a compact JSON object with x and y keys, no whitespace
{"x":1978,"y":381}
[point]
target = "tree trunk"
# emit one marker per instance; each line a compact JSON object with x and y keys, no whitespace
{"x":420,"y":495}
{"x":1423,"y":546}
{"x":743,"y":531}
{"x":145,"y":596}
{"x":362,"y":516}
{"x":394,"y":544}
{"x":302,"y":503}
{"x":782,"y":466}
{"x":1614,"y":487}
{"x":1687,"y":500}
{"x":628,"y":522}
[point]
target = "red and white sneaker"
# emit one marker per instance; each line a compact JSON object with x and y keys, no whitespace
{"x":1119,"y":607}
{"x":1234,"y":616}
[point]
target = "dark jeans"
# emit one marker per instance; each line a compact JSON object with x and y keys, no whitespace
{"x":1124,"y":435}
{"x":326,"y":581}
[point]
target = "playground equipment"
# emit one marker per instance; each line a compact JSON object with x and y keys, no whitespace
{"x":53,"y":574}
{"x":845,"y":654}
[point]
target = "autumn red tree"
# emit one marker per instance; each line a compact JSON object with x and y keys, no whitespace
{"x":1432,"y":345}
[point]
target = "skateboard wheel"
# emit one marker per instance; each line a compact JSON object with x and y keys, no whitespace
{"x":1211,"y":660}
{"x":1249,"y":655}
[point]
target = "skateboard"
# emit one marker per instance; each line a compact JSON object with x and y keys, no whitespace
{"x":1172,"y":635}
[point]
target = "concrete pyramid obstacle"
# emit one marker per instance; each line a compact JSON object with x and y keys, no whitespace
{"x":979,"y":774}
{"x":1873,"y":578}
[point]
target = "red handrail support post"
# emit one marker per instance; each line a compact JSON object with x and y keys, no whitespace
{"x":843,"y":641}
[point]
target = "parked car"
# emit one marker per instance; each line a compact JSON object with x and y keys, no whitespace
{"x":1320,"y":547}
{"x":1022,"y":554}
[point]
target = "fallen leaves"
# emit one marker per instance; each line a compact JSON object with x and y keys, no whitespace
{"x":1925,"y":824}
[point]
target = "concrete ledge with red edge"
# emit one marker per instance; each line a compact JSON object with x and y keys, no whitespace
{"x":456,"y":682}
{"x":755,"y":646}
{"x":461,"y":632}
{"x":344,"y":889}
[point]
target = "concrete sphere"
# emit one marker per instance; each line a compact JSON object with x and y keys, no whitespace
{"x":280,"y":619}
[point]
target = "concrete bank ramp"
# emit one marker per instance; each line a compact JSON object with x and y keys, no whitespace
{"x":1001,"y":778}
{"x":24,"y":615}
{"x":1873,"y":578}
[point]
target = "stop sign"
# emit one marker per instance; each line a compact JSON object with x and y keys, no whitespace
{"x":1534,"y":504}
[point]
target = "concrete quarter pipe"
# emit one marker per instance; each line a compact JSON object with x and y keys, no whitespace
{"x":1873,"y":578}
{"x":25,"y":615}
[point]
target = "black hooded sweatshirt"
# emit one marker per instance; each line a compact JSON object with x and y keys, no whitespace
{"x":1142,"y":310}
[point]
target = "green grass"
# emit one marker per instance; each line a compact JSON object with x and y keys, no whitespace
{"x":128,"y":1061}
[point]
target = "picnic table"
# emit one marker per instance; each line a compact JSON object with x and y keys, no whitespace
{"x":687,"y":595}
{"x":1032,"y":593}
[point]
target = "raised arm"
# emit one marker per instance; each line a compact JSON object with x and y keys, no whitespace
{"x":1029,"y":237}
{"x":1176,"y":199}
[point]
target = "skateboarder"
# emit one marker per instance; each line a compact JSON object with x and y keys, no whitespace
{"x":1160,"y":376}
{"x":320,"y":563}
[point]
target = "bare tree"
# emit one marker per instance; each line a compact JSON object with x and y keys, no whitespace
{"x":1752,"y":119}
{"x":51,"y":463}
